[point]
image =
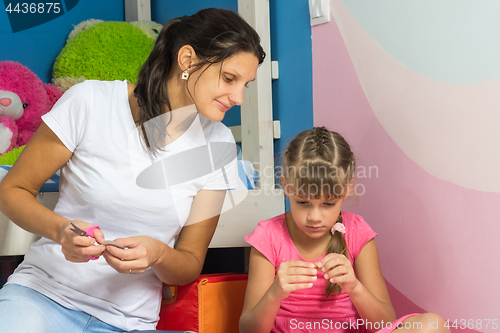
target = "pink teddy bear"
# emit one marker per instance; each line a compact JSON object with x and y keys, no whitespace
{"x":24,"y":98}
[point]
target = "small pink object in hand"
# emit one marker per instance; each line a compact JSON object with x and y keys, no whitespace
{"x":89,"y":232}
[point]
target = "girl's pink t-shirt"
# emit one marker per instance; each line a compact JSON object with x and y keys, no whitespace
{"x":308,"y":310}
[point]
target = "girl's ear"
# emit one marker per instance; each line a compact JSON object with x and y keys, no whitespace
{"x":186,"y":57}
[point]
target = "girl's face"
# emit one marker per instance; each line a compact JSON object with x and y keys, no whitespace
{"x":315,"y":217}
{"x":215,"y":90}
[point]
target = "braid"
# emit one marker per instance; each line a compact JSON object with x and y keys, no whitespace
{"x":337,"y":244}
{"x":318,"y":144}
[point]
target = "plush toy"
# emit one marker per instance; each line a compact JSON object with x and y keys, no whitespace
{"x":109,"y":50}
{"x":24,"y":98}
{"x":10,"y":157}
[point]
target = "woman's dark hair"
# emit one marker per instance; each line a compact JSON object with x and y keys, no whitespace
{"x":214,"y":34}
{"x":321,"y":162}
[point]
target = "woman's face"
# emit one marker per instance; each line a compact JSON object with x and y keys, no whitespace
{"x":215,"y":90}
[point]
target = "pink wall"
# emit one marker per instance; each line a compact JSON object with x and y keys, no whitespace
{"x":438,"y":240}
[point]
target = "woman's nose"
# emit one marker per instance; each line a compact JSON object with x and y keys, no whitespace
{"x":237,"y":97}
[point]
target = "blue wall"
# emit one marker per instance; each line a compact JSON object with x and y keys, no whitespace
{"x":164,"y":10}
{"x":38,"y":47}
{"x":291,"y":46}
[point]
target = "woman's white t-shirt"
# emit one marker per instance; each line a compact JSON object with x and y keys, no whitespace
{"x":103,"y":183}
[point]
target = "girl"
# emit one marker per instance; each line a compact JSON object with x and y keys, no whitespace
{"x":315,"y":268}
{"x":112,"y":141}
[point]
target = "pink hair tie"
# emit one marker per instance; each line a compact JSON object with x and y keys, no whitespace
{"x":338,"y":227}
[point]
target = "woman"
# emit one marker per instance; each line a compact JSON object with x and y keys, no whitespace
{"x":149,"y":163}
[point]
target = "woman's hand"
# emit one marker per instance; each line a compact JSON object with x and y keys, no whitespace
{"x":77,"y":248}
{"x":140,"y":253}
{"x":293,"y":275}
{"x":338,"y":269}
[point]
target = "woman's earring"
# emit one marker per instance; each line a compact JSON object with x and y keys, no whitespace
{"x":185,"y":75}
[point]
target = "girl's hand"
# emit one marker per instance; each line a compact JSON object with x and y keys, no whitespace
{"x":140,"y":253}
{"x":293,"y":275}
{"x":77,"y":248}
{"x":338,"y":269}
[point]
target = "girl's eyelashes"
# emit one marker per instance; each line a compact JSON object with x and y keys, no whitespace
{"x":303,"y":203}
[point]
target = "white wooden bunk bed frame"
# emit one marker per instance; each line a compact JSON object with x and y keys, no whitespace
{"x":256,"y":134}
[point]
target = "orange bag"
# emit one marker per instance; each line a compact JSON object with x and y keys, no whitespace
{"x":211,"y":304}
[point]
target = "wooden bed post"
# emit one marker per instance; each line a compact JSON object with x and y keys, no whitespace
{"x":257,"y":131}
